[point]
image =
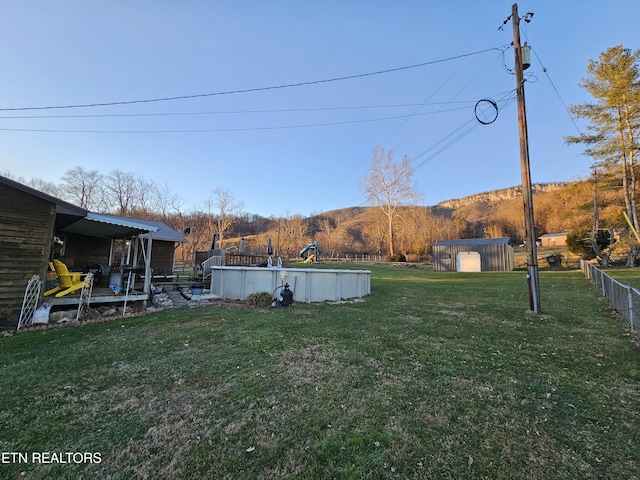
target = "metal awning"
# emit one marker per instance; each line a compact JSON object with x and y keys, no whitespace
{"x":108,"y":226}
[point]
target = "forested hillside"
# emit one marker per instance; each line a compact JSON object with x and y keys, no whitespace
{"x":559,"y":207}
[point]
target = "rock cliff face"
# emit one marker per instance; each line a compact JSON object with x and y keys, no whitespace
{"x":501,"y":194}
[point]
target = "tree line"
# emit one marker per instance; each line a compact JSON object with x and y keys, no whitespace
{"x":349,"y":231}
{"x":395,"y":224}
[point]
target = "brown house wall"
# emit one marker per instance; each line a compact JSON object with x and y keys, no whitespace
{"x":82,"y":251}
{"x":162,"y":257}
{"x":26,"y":231}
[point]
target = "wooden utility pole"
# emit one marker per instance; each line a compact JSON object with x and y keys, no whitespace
{"x":527,"y":194}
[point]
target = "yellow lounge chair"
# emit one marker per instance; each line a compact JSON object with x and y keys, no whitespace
{"x":69,"y":281}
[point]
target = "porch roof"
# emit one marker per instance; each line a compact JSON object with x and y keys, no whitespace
{"x":108,"y":226}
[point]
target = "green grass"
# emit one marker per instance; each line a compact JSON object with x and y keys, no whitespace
{"x":626,"y":276}
{"x":433,"y":376}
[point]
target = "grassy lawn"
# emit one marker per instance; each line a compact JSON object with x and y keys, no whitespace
{"x":626,"y":276}
{"x":434,"y":376}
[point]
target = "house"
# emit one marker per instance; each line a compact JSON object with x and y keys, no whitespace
{"x":491,"y":254}
{"x":36,"y":227}
{"x":129,"y":250}
{"x":28,"y":221}
{"x":553,"y":239}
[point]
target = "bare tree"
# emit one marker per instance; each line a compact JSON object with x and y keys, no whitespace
{"x":39,"y":184}
{"x":121,"y":192}
{"x":389,"y":185}
{"x":164,"y":203}
{"x":373,"y":234}
{"x":292,"y":233}
{"x":494,"y":230}
{"x":199,"y":234}
{"x":228,"y":210}
{"x":145,"y":199}
{"x":83,"y":187}
{"x":423,"y":229}
{"x":44,"y":186}
{"x":333,"y":235}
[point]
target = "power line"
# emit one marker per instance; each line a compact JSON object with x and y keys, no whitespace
{"x":248,"y":90}
{"x":544,"y":70}
{"x":443,"y":84}
{"x":453,"y":137}
{"x":213,"y":130}
{"x":230,"y":112}
{"x":458,"y":134}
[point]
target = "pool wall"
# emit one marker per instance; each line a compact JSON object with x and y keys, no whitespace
{"x":308,"y":284}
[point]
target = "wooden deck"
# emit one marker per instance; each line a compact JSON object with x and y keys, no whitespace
{"x":101,"y":294}
{"x":98,"y":295}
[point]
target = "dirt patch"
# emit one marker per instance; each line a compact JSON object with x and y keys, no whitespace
{"x":227,"y":304}
{"x":309,"y":365}
{"x":237,"y":423}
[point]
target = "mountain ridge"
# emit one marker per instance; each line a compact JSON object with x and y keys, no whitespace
{"x":500,"y":194}
{"x":446,"y":208}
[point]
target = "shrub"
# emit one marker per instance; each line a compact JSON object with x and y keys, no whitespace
{"x":259,"y":299}
{"x":579,"y":242}
{"x":397,"y":257}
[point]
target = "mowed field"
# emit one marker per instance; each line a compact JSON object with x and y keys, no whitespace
{"x":434,"y":375}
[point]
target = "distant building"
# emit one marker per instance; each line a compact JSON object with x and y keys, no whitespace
{"x":496,"y":255}
{"x":553,"y":239}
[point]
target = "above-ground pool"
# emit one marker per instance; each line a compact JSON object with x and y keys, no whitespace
{"x":307,"y":284}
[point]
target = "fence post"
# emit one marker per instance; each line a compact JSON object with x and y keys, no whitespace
{"x":631,"y":313}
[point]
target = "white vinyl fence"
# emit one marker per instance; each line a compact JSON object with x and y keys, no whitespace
{"x":623,"y":298}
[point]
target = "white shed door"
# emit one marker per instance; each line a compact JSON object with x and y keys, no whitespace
{"x":468,"y":262}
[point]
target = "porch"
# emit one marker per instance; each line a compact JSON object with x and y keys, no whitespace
{"x":99,"y":295}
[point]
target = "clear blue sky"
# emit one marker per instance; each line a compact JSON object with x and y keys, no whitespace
{"x":297,"y":150}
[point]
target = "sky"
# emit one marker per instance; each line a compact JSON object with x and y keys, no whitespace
{"x":283,"y":102}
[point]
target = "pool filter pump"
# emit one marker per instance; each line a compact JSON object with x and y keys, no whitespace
{"x":285,"y":299}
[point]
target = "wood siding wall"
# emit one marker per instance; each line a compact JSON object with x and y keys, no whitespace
{"x":82,"y":251}
{"x":162,"y":254}
{"x":26,"y":232}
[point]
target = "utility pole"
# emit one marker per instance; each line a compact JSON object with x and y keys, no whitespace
{"x":527,"y":194}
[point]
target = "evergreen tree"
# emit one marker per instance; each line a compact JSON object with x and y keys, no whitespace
{"x":614,"y":83}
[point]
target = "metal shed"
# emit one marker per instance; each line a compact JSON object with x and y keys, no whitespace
{"x":496,"y":255}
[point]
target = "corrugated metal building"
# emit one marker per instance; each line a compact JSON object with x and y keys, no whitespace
{"x":496,"y":255}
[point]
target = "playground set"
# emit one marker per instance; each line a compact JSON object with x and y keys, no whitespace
{"x":309,"y":252}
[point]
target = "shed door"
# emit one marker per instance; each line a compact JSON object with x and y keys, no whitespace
{"x":468,"y":262}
